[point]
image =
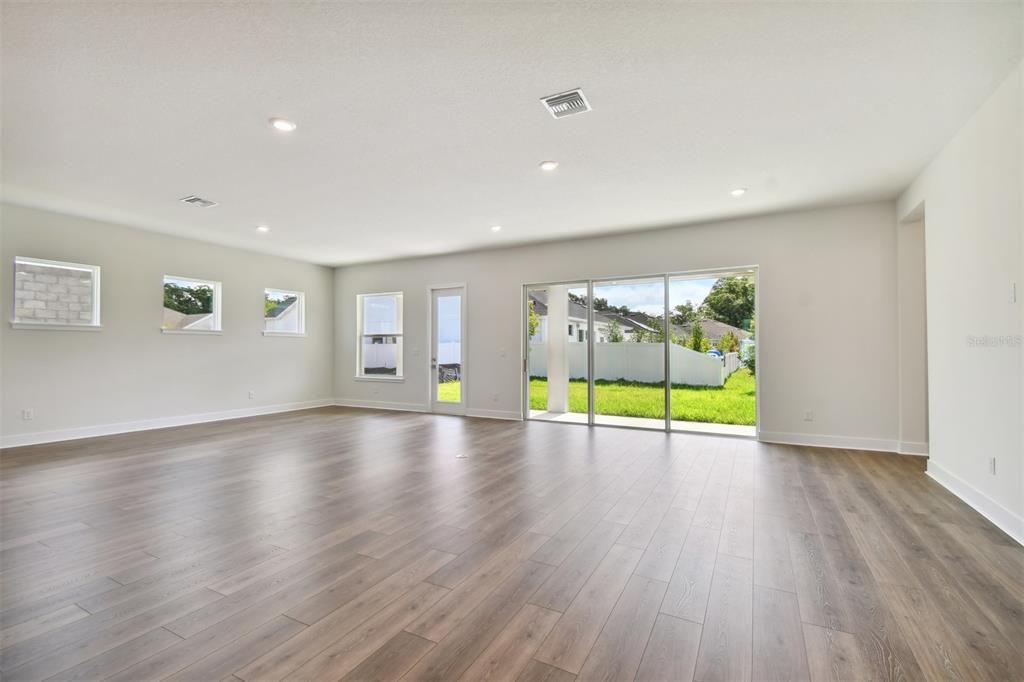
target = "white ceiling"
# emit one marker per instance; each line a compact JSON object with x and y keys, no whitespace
{"x":420,"y":124}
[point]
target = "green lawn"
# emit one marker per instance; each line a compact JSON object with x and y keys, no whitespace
{"x":449,"y":391}
{"x":733,"y":403}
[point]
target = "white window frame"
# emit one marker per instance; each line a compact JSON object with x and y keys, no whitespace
{"x":94,"y":270}
{"x":217,"y":292}
{"x":400,"y":334}
{"x":300,"y":300}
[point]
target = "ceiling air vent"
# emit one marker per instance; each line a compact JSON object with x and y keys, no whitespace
{"x":566,"y":103}
{"x":197,"y":201}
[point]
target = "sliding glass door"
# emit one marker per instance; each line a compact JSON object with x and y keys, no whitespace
{"x":666,"y":352}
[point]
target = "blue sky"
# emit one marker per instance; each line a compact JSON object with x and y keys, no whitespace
{"x":449,"y":309}
{"x":647,"y":296}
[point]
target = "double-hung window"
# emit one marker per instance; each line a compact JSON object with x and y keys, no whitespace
{"x":379,"y":336}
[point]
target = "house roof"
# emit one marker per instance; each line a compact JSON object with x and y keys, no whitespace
{"x":281,"y":307}
{"x":631,"y":322}
{"x":576,"y":310}
{"x":713,"y":329}
{"x":175,"y":320}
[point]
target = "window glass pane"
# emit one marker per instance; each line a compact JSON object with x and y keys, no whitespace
{"x":282,"y":311}
{"x":189,"y":305}
{"x":712,"y":363}
{"x":380,"y":355}
{"x":449,"y":348}
{"x":381,"y":314}
{"x":629,"y":368}
{"x":54,"y":294}
{"x":558,"y":363}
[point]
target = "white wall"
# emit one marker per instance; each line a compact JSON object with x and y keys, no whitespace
{"x":970,"y":199}
{"x":827,"y":279}
{"x":130,"y":371}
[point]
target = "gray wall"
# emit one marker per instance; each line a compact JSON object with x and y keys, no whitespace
{"x":130,"y":372}
{"x":826,"y":333}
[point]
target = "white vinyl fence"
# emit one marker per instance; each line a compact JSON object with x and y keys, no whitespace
{"x":449,"y":353}
{"x":384,"y":355}
{"x":380,"y":355}
{"x":643,"y":362}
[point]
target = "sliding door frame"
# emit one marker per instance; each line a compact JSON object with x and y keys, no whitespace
{"x":667,"y":277}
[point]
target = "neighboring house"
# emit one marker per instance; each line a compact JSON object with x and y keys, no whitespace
{"x":713,"y":330}
{"x":630,"y":323}
{"x":283,"y":316}
{"x":576,"y":328}
{"x":198,"y":322}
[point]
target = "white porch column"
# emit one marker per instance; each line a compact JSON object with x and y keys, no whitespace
{"x":558,"y":349}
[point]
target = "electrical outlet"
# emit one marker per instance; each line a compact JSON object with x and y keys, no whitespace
{"x":808,"y":416}
{"x":252,"y":395}
{"x":28,"y":414}
{"x":992,"y":466}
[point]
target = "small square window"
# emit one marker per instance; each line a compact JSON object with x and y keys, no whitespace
{"x":55,"y":294}
{"x":284,"y":313}
{"x":379,"y":336}
{"x":191,"y":305}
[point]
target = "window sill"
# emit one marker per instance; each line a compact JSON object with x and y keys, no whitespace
{"x":272,"y":333}
{"x":383,"y":378}
{"x":39,"y":326}
{"x":193,"y":332}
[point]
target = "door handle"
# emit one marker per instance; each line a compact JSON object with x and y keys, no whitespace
{"x":433,"y":363}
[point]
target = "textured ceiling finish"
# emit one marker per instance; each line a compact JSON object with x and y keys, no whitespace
{"x":420,"y":125}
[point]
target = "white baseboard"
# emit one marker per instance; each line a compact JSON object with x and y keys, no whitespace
{"x":495,"y":414}
{"x":420,"y":407}
{"x":38,"y":437}
{"x":822,"y":441}
{"x":907,"y":447}
{"x":381,"y":405}
{"x":1010,"y":523}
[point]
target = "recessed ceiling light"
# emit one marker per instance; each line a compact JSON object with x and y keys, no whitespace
{"x":739,"y":191}
{"x":548,"y":165}
{"x":495,"y":228}
{"x":262,"y":228}
{"x":283,"y":124}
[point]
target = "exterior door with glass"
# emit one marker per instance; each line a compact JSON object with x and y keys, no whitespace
{"x":447,"y":350}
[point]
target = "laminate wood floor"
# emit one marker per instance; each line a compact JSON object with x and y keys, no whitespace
{"x":358,"y":545}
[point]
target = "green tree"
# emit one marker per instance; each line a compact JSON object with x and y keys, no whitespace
{"x":697,"y":341}
{"x":750,"y":362}
{"x":729,"y":343}
{"x":532,"y":320}
{"x":190,"y":300}
{"x":731,"y":300}
{"x":685,"y":313}
{"x":615,"y":332}
{"x":657,"y":333}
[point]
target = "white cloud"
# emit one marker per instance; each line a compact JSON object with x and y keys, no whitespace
{"x":648,"y":296}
